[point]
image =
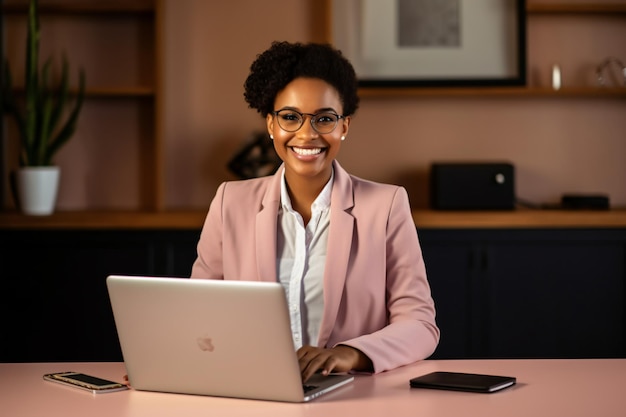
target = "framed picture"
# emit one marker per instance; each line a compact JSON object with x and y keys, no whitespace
{"x":403,"y":43}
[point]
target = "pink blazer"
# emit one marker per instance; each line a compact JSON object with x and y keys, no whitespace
{"x":376,"y":296}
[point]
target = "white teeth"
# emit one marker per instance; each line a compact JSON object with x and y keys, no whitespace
{"x":307,"y":151}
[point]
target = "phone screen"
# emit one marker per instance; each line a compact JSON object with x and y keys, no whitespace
{"x":86,"y":382}
{"x":90,"y":379}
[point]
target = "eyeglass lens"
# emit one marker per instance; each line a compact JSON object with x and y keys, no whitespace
{"x":291,"y":120}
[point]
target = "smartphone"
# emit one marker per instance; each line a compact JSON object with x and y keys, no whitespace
{"x":85,"y":382}
{"x":459,"y":381}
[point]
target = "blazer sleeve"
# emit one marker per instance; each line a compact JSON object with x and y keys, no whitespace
{"x":209,"y":263}
{"x":411,"y":333}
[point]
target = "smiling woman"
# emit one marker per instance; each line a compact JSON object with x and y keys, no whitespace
{"x":344,"y":249}
{"x":306,"y":152}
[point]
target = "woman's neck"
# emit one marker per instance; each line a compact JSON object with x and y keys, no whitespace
{"x":303,"y":192}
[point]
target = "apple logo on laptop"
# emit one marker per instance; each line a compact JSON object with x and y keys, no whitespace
{"x":205,"y":343}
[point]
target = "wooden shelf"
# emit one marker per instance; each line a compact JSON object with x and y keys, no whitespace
{"x":588,"y":92}
{"x":106,"y":219}
{"x":599,"y":8}
{"x":425,"y":219}
{"x":120,"y":92}
{"x":521,"y":218}
{"x":101,"y":8}
{"x":112,"y":92}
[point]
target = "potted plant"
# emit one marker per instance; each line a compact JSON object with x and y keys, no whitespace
{"x":39,"y":119}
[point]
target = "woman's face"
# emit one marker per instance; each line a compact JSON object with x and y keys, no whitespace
{"x":306,"y":152}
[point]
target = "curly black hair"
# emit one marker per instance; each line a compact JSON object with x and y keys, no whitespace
{"x":283,"y":62}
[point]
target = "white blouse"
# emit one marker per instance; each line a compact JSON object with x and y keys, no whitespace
{"x":301,"y":256}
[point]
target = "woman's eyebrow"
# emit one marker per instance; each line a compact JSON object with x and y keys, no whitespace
{"x":322,"y":110}
{"x":326,"y":109}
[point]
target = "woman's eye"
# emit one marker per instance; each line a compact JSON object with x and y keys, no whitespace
{"x":325,"y":118}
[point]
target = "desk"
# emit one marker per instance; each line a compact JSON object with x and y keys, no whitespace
{"x":554,"y":388}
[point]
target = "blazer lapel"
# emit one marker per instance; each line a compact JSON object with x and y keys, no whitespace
{"x":266,"y":229}
{"x":338,"y":250}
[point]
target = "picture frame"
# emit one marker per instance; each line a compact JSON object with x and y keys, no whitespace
{"x":430,"y":43}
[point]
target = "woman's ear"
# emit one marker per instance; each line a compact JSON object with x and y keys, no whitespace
{"x":346,"y":125}
{"x":269,"y":121}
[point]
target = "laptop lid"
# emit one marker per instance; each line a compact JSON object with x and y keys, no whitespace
{"x":210,"y":337}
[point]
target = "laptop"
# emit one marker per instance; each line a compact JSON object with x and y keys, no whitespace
{"x":211,"y":337}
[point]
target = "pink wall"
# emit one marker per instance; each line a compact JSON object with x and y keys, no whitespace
{"x":557,"y":145}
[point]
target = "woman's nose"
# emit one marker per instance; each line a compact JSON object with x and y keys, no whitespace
{"x":307,"y":131}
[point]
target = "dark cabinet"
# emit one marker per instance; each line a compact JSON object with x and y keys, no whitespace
{"x":528,"y":293}
{"x":553,"y":293}
{"x":54,"y":305}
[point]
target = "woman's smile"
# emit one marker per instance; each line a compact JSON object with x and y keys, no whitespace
{"x":307,"y":151}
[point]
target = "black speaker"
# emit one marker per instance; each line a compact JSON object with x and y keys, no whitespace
{"x":472,"y":186}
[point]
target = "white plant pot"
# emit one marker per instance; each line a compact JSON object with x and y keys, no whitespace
{"x":37,"y":189}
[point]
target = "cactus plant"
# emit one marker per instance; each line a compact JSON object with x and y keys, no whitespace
{"x":39,"y":115}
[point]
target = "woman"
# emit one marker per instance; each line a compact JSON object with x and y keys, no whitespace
{"x":345,"y":249}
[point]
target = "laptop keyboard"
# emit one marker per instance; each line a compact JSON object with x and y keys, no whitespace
{"x":308,"y":388}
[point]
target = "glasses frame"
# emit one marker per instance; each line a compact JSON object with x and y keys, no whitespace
{"x":312,"y":117}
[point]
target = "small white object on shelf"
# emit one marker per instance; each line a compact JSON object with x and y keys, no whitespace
{"x":556,"y":77}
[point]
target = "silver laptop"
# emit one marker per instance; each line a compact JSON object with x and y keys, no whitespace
{"x":210,"y":337}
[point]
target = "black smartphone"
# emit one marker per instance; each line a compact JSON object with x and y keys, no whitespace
{"x":85,"y":382}
{"x":459,"y":381}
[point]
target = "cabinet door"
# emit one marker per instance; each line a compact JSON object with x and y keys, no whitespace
{"x":54,"y":304}
{"x":556,"y":294}
{"x":450,"y":267}
{"x":528,"y":293}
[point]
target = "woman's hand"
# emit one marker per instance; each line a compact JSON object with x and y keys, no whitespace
{"x":341,"y":358}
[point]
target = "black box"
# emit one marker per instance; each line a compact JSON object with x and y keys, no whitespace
{"x":585,"y":202}
{"x":472,"y":186}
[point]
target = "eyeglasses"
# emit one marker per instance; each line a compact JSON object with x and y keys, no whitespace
{"x":291,"y":120}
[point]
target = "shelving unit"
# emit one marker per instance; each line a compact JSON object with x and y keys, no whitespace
{"x":131,"y":91}
{"x":141,"y":102}
{"x":532,"y":9}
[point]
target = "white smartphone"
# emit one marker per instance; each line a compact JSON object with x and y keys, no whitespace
{"x":85,"y":382}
